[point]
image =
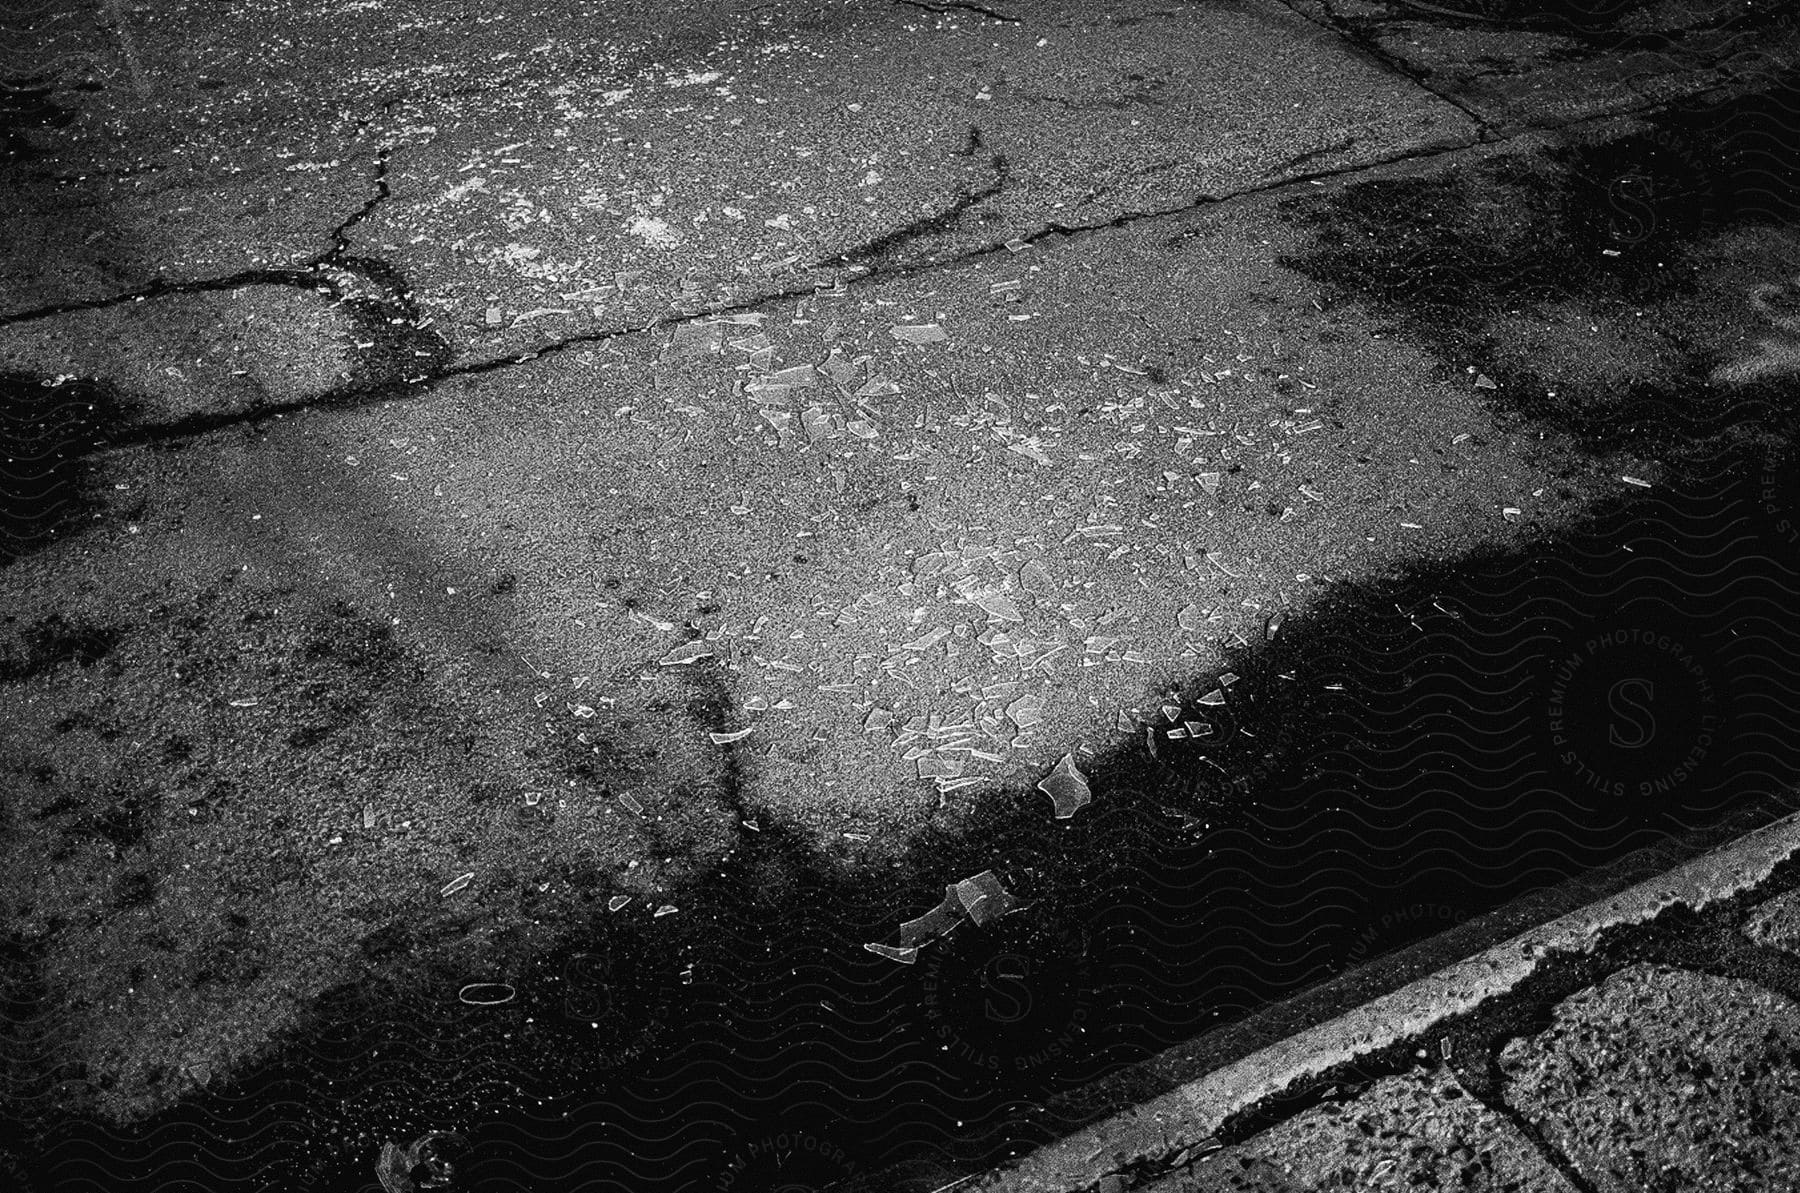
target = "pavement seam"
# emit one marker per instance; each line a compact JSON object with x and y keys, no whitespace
{"x":1343,"y":31}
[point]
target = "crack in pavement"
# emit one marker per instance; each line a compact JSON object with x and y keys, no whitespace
{"x":312,"y":273}
{"x":950,"y":6}
{"x":929,"y":225}
{"x":1344,"y":30}
{"x":315,"y":274}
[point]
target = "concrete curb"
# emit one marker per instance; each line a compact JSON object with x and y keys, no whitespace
{"x":1193,"y":1112}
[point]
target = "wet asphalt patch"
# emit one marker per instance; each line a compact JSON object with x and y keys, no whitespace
{"x":1612,"y":226}
{"x":1419,"y":749}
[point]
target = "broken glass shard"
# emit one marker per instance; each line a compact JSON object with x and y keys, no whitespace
{"x":927,"y":641}
{"x":687,"y":652}
{"x":799,"y":376}
{"x":1067,"y":787}
{"x":903,"y":956}
{"x":933,"y":923}
{"x":700,"y":338}
{"x":932,"y":564}
{"x":1026,"y":711}
{"x":723,"y":739}
{"x":1035,"y":580}
{"x":984,"y":898}
{"x":919,"y":333}
{"x":999,"y":605}
{"x":878,"y":386}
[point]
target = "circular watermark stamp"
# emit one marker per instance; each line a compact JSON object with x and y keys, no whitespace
{"x":1632,"y":712}
{"x":787,"y":1161}
{"x":1015,"y":997}
{"x":1635,"y":198}
{"x":1778,"y":483}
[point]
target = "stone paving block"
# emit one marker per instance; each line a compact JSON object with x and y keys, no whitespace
{"x":1420,"y":1131}
{"x":1660,"y":1079}
{"x":1777,"y":923}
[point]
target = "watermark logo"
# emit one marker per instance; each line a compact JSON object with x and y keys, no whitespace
{"x":588,"y":982}
{"x":1015,"y":997}
{"x":789,"y":1161}
{"x":1399,"y":927}
{"x":1632,"y":712}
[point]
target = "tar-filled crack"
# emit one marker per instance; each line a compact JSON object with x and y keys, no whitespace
{"x":885,"y":245}
{"x":950,"y":6}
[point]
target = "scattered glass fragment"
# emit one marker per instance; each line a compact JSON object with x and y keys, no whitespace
{"x":1026,"y":711}
{"x":928,"y":640}
{"x":1632,"y":480}
{"x":933,"y":923}
{"x":617,"y":901}
{"x":368,"y":815}
{"x":903,"y":956}
{"x":666,"y":909}
{"x":630,"y":801}
{"x":1214,"y":698}
{"x":723,"y":739}
{"x":1210,"y":481}
{"x":687,"y":652}
{"x":798,"y":376}
{"x":532,"y":798}
{"x":1033,"y":578}
{"x":1067,"y":787}
{"x":456,"y":884}
{"x":998,"y":604}
{"x":919,"y":333}
{"x":939,"y":768}
{"x":984,"y":898}
{"x":1273,"y":626}
{"x":486,"y":994}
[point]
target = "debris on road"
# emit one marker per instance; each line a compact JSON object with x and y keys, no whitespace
{"x":983,"y":898}
{"x":934,"y":923}
{"x":1067,"y":787}
{"x":456,"y":884}
{"x":919,"y":333}
{"x":686,"y":653}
